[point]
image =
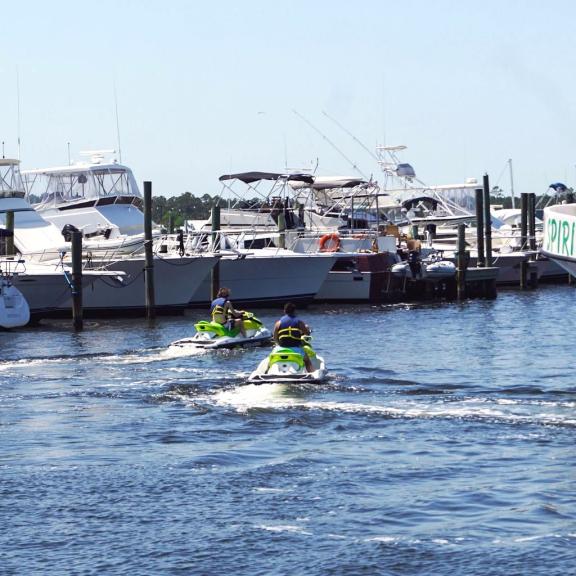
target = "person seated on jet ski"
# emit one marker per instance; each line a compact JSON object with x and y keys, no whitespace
{"x":288,"y":332}
{"x":223,"y":312}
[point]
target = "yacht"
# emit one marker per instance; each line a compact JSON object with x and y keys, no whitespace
{"x":103,"y":202}
{"x":98,"y":196}
{"x":45,"y":285}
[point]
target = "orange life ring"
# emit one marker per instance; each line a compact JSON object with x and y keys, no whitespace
{"x":330,"y":243}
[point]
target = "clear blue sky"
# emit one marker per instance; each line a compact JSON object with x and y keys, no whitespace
{"x":208,"y":88}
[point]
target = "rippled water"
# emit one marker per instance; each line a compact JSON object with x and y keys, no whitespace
{"x":443,"y":443}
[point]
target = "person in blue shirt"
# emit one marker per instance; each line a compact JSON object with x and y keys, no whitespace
{"x":223,"y":312}
{"x":288,"y":332}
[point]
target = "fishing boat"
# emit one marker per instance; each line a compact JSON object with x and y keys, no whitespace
{"x":101,"y":199}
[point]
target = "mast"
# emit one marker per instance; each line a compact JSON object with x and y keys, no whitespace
{"x":18,"y":116}
{"x":511,"y":182}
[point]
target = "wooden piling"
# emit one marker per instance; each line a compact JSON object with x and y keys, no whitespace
{"x":76,"y":248}
{"x":481,"y":259}
{"x":215,"y":274}
{"x":10,"y":233}
{"x":282,"y":230}
{"x":461,"y":263}
{"x":148,"y":253}
{"x":532,"y":239}
{"x":524,"y":239}
{"x":487,"y":222}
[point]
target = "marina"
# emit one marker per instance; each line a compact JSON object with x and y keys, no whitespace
{"x":286,"y":289}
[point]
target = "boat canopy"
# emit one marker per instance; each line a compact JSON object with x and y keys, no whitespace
{"x":55,"y":186}
{"x":329,"y":182}
{"x":250,"y":177}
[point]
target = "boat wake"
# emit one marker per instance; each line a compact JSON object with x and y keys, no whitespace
{"x":289,"y":397}
{"x":131,"y":357}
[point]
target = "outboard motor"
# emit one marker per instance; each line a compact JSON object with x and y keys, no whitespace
{"x":67,"y":232}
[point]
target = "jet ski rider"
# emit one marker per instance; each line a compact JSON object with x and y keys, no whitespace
{"x":223,"y":312}
{"x":288,"y":332}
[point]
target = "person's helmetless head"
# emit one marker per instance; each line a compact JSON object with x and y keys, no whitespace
{"x":290,"y":309}
{"x":223,"y":293}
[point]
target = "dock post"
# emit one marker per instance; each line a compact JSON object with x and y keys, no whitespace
{"x":148,"y":253}
{"x":532,"y":238}
{"x":76,"y":248}
{"x":487,"y":222}
{"x":481,"y":260}
{"x":10,"y":233}
{"x":461,"y":263}
{"x":524,"y":239}
{"x":282,"y":230}
{"x":215,"y":274}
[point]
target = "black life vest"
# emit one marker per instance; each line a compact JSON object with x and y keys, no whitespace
{"x":289,"y":332}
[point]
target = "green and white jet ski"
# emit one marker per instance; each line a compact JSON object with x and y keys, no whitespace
{"x":287,"y":365}
{"x":212,"y":335}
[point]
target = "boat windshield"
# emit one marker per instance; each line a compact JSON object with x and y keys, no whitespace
{"x":10,"y":179}
{"x":53,"y":187}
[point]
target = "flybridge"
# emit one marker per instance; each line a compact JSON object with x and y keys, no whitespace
{"x":83,"y":182}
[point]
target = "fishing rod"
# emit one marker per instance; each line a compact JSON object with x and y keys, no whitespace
{"x":353,"y":164}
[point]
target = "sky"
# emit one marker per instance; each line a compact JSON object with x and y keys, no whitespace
{"x":203,"y":88}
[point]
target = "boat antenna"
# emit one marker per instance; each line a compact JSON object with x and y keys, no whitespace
{"x":3,"y":149}
{"x":353,"y":164}
{"x":351,"y":135}
{"x":511,"y":183}
{"x":18,"y":113}
{"x":117,"y":123}
{"x":69,"y":160}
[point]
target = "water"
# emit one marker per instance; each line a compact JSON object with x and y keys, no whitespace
{"x":442,"y":444}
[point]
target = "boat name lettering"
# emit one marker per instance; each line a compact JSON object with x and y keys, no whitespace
{"x":560,"y":236}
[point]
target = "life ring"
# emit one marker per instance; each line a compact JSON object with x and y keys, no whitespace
{"x":330,"y":243}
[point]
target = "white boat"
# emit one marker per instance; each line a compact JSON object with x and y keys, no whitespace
{"x":44,"y":285}
{"x":268,"y":277}
{"x":559,"y":237}
{"x":98,"y":197}
{"x":102,"y":200}
{"x":287,"y":365}
{"x":214,"y":336}
{"x":14,"y":309}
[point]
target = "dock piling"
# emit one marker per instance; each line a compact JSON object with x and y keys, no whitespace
{"x":487,"y":222}
{"x":148,"y":253}
{"x":282,"y":230}
{"x":481,"y":260}
{"x":524,"y":239}
{"x":76,"y":248}
{"x":215,"y":274}
{"x":461,"y":263}
{"x":10,"y":233}
{"x":532,"y":238}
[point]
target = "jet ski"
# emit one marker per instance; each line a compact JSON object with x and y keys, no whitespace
{"x":212,"y":335}
{"x":287,"y":365}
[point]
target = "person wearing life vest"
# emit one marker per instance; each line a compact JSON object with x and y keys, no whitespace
{"x":288,"y":332}
{"x":223,"y":312}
